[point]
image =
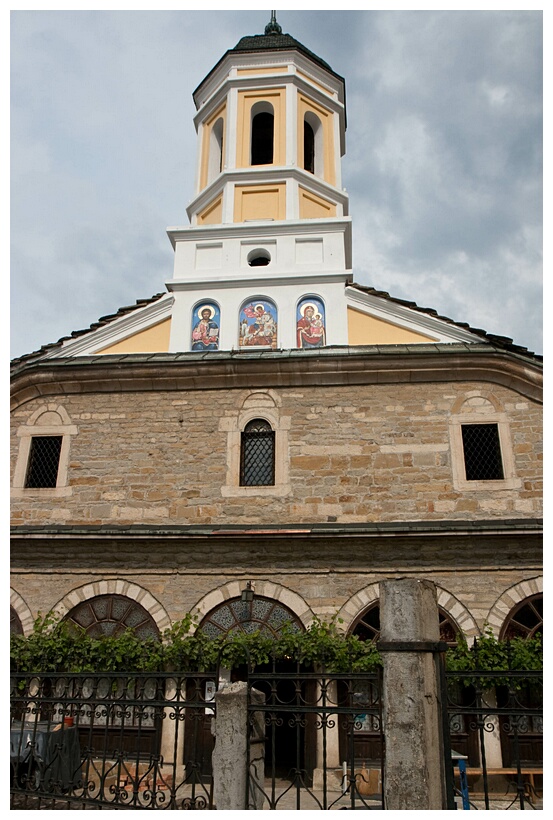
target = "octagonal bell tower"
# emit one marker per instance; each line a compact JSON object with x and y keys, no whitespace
{"x":269,"y":218}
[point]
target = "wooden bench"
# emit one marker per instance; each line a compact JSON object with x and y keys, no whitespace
{"x":527,"y":774}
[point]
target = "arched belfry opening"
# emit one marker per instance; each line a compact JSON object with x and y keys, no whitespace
{"x":263,"y":133}
{"x":308,"y":148}
{"x":216,"y":149}
{"x":313,"y":144}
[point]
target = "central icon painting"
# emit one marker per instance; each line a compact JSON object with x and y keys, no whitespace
{"x":258,"y":324}
{"x":205,"y":331}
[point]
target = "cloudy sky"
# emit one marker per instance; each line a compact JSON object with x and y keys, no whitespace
{"x":443,"y":163}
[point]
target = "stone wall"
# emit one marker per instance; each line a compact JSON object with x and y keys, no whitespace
{"x":468,"y":594}
{"x":356,"y":453}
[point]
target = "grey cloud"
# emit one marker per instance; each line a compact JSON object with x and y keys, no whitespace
{"x":443,"y":162}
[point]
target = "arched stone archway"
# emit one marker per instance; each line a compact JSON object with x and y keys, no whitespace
{"x":509,"y":599}
{"x":262,"y":588}
{"x":447,"y":602}
{"x":115,"y":586}
{"x":22,"y":612}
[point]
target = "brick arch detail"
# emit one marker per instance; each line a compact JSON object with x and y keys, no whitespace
{"x":25,"y":615}
{"x":115,"y":586}
{"x":268,"y":589}
{"x":509,"y":599}
{"x":446,"y":601}
{"x":355,"y":605}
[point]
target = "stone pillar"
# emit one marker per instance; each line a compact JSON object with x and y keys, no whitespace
{"x":230,"y":755}
{"x":414,"y":773}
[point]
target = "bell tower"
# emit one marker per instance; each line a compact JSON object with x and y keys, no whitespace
{"x":269,"y":224}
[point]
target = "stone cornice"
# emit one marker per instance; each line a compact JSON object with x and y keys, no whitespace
{"x":386,"y":529}
{"x":405,"y":546}
{"x":389,"y":364}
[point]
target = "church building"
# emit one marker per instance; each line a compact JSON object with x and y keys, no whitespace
{"x":265,"y":421}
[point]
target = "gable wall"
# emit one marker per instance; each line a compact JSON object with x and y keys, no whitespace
{"x":368,"y":330}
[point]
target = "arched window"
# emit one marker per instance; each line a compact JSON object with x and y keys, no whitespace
{"x":102,"y":714}
{"x":367,"y":625}
{"x":111,"y":615}
{"x":43,"y":460}
{"x":257,"y":454}
{"x":313,"y":159}
{"x":525,"y":620}
{"x":263,"y":128}
{"x":216,"y":149}
{"x":258,"y":615}
{"x":308,"y":148}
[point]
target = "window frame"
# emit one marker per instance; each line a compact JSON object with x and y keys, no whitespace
{"x":234,"y":426}
{"x":26,"y":433}
{"x":460,"y":481}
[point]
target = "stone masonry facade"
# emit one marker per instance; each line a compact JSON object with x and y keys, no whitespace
{"x":354,"y":454}
{"x":149,"y":471}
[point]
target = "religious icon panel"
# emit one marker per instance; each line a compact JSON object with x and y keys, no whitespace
{"x":258,"y":324}
{"x":206,"y":321}
{"x":310,"y":323}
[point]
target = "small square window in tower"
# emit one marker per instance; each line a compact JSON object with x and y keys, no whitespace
{"x":482,"y":452}
{"x":257,"y":454}
{"x":44,"y":460}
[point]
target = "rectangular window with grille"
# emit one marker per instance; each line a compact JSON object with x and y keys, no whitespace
{"x":44,"y":460}
{"x":482,"y":452}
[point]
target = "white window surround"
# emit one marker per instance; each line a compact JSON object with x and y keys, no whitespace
{"x":234,"y":427}
{"x":31,"y":430}
{"x":460,"y":482}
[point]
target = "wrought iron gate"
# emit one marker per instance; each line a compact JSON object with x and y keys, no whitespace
{"x":316,"y":741}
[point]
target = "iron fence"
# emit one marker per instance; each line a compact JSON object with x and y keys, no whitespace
{"x":111,"y":741}
{"x":317,"y":739}
{"x":495,"y":724}
{"x":314,"y":740}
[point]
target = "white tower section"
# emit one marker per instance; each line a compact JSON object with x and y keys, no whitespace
{"x":269,"y":218}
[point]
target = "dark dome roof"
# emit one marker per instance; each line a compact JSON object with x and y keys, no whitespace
{"x":276,"y":42}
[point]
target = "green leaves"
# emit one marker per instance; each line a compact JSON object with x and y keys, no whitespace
{"x":488,"y":654}
{"x":56,"y":646}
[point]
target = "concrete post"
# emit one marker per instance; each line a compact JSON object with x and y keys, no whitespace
{"x":230,"y":755}
{"x":414,"y":773}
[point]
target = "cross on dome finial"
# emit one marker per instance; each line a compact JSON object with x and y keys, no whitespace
{"x":273,"y":27}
